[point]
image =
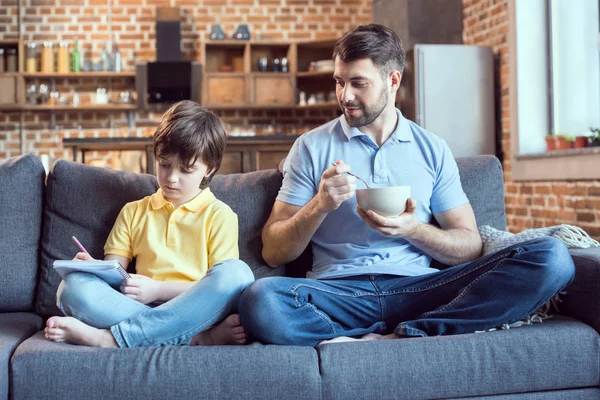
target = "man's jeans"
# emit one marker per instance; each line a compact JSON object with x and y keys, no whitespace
{"x":500,"y":288}
{"x":133,"y":324}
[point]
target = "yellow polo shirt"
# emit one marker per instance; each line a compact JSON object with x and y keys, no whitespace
{"x":175,"y":244}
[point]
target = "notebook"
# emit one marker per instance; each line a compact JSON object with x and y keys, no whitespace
{"x":108,"y":270}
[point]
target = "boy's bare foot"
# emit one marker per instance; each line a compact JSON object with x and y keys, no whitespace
{"x":71,"y":330}
{"x":229,"y":331}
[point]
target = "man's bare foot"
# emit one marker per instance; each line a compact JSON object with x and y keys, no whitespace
{"x":229,"y":331}
{"x":340,"y":339}
{"x":368,"y":336}
{"x":71,"y":330}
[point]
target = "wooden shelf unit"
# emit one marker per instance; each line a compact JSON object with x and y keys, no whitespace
{"x":232,"y":77}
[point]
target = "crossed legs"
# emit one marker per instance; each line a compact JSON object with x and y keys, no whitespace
{"x":100,"y":316}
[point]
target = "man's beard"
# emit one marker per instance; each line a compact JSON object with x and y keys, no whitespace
{"x":368,"y":114}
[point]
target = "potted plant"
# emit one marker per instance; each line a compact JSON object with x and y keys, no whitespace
{"x":581,"y":141}
{"x":595,"y":138}
{"x":564,"y":141}
{"x":550,"y":142}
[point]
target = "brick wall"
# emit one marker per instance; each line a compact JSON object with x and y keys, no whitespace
{"x":132,"y":23}
{"x":528,"y":204}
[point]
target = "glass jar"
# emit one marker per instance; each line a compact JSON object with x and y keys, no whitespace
{"x":31,"y":58}
{"x":48,"y":58}
{"x":63,"y":58}
{"x":11,"y":60}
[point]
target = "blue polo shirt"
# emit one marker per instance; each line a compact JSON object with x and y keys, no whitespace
{"x":344,"y":245}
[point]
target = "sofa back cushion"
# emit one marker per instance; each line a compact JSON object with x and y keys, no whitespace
{"x":483,"y":182}
{"x":81,"y":201}
{"x":21,"y":196}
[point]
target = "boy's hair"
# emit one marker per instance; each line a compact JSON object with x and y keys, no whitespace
{"x":190,"y":132}
{"x":377,"y":42}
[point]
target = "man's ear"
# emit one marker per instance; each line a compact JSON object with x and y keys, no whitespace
{"x":395,"y":78}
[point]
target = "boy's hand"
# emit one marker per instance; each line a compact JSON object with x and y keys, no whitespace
{"x":141,"y":288}
{"x":81,"y":256}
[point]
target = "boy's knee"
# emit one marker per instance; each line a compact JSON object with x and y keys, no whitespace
{"x":243,"y":273}
{"x":73,"y":289}
{"x":234,"y":273}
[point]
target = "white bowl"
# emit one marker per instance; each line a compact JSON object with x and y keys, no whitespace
{"x":386,"y":201}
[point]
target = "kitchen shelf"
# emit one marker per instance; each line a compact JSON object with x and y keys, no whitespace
{"x":99,"y":74}
{"x":314,"y":74}
{"x":84,"y":107}
{"x":327,"y":104}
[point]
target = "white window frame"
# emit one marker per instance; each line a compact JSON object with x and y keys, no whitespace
{"x":530,"y":62}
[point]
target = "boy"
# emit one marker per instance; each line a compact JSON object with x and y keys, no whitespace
{"x":189,"y":277}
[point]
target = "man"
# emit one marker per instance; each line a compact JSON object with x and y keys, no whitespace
{"x":371,"y":276}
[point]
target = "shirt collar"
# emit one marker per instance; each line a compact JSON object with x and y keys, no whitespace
{"x":402,"y":133}
{"x":158,"y":201}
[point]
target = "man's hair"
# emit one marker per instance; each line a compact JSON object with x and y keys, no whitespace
{"x":377,"y":42}
{"x":190,"y":132}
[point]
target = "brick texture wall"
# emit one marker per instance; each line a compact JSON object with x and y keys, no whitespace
{"x":132,"y":22}
{"x":528,"y":204}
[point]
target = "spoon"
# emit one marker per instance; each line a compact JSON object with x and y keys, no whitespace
{"x":356,"y":176}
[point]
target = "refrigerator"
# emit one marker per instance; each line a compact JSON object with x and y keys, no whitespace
{"x":449,"y":91}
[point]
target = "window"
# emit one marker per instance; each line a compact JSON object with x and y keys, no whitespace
{"x":555,"y":86}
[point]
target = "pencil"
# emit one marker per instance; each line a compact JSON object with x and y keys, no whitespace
{"x":79,"y":245}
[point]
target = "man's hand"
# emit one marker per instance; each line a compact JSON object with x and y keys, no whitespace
{"x":335,"y":188}
{"x":141,"y":288}
{"x":402,"y":225}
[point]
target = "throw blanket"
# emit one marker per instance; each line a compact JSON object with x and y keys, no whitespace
{"x":495,"y":240}
{"x":574,"y":237}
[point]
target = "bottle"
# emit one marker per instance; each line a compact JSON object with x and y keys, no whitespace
{"x":116,"y":56}
{"x":105,"y":57}
{"x":48,"y":57}
{"x":63,"y":58}
{"x":76,"y":57}
{"x":31,"y":59}
{"x":1,"y":60}
{"x":11,"y":60}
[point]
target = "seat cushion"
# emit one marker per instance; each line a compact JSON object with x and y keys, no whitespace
{"x":559,"y":353}
{"x":21,"y":196}
{"x":172,"y":372}
{"x":14,"y":329}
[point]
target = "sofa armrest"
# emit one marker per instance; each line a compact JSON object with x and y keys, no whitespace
{"x":582,"y":300}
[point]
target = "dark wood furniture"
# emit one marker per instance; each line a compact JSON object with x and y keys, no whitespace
{"x":242,"y":154}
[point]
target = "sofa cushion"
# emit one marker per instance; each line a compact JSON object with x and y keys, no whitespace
{"x":21,"y":196}
{"x":570,"y":394}
{"x":251,"y":196}
{"x":171,"y":372}
{"x":81,"y":201}
{"x":14,"y":329}
{"x":483,"y":183}
{"x":559,"y":353}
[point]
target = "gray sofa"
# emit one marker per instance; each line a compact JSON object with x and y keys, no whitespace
{"x":557,"y":359}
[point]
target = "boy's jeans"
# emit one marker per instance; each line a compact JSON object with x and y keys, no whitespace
{"x":133,"y":324}
{"x":493,"y":290}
